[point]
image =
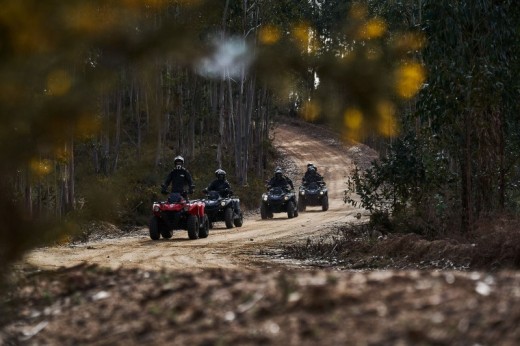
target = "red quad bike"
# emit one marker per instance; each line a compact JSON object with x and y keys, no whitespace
{"x":178,"y":213}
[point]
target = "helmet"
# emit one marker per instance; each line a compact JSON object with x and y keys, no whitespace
{"x":220,"y":173}
{"x":311,"y":169}
{"x":178,"y":158}
{"x":278,"y":170}
{"x":178,"y":161}
{"x":310,"y":164}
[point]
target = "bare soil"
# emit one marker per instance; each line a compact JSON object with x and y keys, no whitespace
{"x":229,"y":289}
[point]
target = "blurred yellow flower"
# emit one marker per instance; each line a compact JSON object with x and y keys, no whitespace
{"x":409,"y":79}
{"x":58,"y":82}
{"x":374,"y":28}
{"x":410,"y":41}
{"x":87,"y":125}
{"x":310,"y":111}
{"x":269,"y":34}
{"x":358,"y":11}
{"x":386,"y":123}
{"x":353,"y":118}
{"x":61,"y":153}
{"x":89,"y":18}
{"x":40,"y":167}
{"x":301,"y":34}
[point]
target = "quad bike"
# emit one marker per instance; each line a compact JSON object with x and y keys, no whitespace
{"x":225,"y":209}
{"x":178,"y":213}
{"x":278,"y":200}
{"x":313,"y":194}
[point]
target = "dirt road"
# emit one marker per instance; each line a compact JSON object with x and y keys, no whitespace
{"x":236,"y":298}
{"x":227,"y":248}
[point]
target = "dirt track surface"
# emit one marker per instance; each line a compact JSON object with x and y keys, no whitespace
{"x":234,"y":248}
{"x":219,"y":291}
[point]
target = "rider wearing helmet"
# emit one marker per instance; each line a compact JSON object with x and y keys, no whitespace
{"x":311,"y":175}
{"x":179,"y":178}
{"x":280,"y":180}
{"x":220,"y":184}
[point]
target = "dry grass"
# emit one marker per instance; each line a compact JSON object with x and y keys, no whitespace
{"x":494,"y":245}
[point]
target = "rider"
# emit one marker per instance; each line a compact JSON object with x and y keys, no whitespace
{"x":180,"y":178}
{"x":221,"y":185}
{"x":311,"y":175}
{"x":280,"y":180}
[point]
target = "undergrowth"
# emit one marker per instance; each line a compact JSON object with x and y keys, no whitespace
{"x":494,"y":245}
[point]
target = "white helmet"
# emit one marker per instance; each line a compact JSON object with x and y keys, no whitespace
{"x":220,"y":172}
{"x":178,"y":159}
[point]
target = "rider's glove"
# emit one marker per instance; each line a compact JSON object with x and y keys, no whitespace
{"x":163,"y":190}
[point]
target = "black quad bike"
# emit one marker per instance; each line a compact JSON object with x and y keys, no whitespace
{"x":178,"y":213}
{"x":225,"y":209}
{"x":278,"y":200}
{"x":313,"y":194}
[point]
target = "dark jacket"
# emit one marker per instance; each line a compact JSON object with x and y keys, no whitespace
{"x":221,"y":186}
{"x":282,"y":182}
{"x":312,"y":177}
{"x":180,"y":179}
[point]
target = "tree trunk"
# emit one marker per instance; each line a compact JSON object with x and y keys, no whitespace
{"x":467,"y":203}
{"x":117,"y":139}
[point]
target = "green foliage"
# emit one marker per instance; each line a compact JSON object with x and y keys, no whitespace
{"x":464,"y":120}
{"x":392,"y":183}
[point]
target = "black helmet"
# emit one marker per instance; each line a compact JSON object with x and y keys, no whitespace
{"x":310,"y":164}
{"x":278,"y":172}
{"x":220,"y":173}
{"x":311,"y":169}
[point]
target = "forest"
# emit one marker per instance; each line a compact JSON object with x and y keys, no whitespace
{"x":98,"y":97}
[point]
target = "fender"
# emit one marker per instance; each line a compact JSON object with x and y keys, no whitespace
{"x":196,"y":208}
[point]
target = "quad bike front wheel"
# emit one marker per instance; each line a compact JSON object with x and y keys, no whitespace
{"x":228,"y":217}
{"x":204,"y":227}
{"x":325,"y":203}
{"x":264,"y":214}
{"x":193,"y":227}
{"x":154,"y":228}
{"x":290,"y":209}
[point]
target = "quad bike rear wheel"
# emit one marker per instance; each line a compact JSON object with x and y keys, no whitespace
{"x":301,"y":204}
{"x":193,"y":227}
{"x":204,"y":227}
{"x":239,"y":221}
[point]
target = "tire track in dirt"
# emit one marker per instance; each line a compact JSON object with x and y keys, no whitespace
{"x":226,"y":248}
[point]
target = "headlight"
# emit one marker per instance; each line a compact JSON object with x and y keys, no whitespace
{"x":223,"y":203}
{"x":264,"y":197}
{"x":321,"y":192}
{"x":286,"y":198}
{"x":156,"y":208}
{"x":302,"y":192}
